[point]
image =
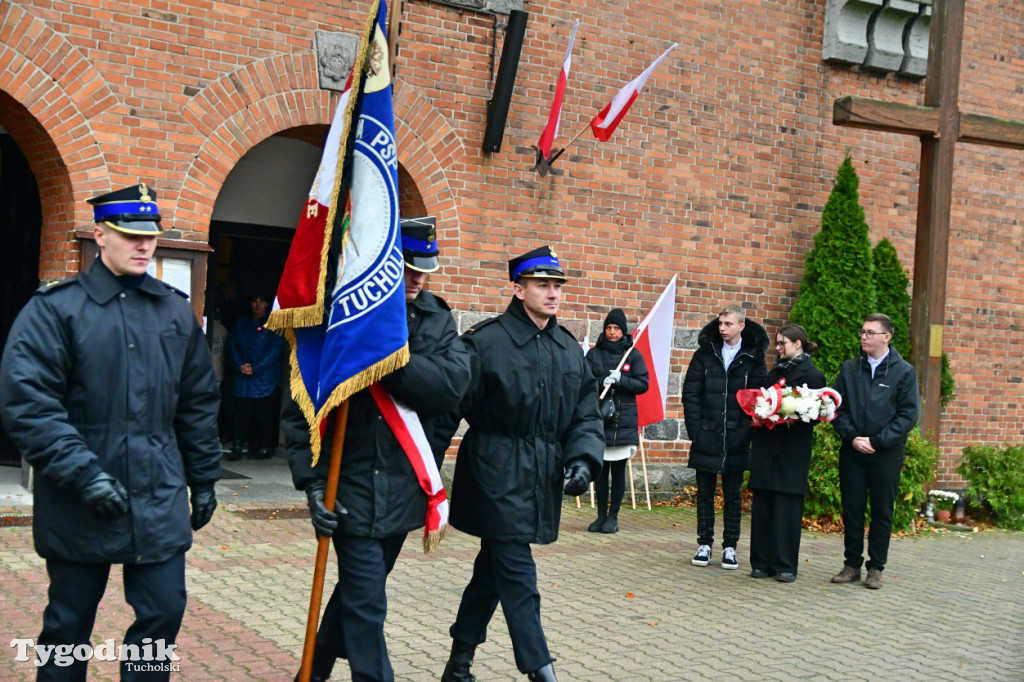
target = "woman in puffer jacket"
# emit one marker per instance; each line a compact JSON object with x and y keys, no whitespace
{"x":625,"y":380}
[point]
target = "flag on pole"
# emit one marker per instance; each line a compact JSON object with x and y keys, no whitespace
{"x":653,"y":338}
{"x":341,"y":300}
{"x":608,"y":119}
{"x":547,"y":137}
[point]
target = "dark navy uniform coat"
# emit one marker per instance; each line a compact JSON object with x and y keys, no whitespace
{"x":96,"y":377}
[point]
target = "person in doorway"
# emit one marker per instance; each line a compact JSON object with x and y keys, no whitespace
{"x":533,"y":428}
{"x":256,"y":354}
{"x":878,"y":411}
{"x":383,"y":499}
{"x":780,"y":460}
{"x":622,"y":375}
{"x":107,"y":389}
{"x":730,"y":356}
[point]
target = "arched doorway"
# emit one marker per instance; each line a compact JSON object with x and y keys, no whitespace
{"x":21,"y":221}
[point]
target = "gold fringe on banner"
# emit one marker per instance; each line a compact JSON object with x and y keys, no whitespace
{"x":312,"y":315}
{"x":432,"y":539}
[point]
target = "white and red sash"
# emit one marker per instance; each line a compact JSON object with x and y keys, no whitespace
{"x":406,"y":426}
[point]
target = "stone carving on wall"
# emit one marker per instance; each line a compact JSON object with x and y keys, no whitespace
{"x":335,"y":55}
{"x":881,"y":35}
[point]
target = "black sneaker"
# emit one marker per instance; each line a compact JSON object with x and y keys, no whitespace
{"x":702,"y":557}
{"x":729,"y":559}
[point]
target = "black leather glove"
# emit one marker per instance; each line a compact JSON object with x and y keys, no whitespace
{"x":204,"y":501}
{"x":104,"y":497}
{"x":577,"y":477}
{"x":325,"y":522}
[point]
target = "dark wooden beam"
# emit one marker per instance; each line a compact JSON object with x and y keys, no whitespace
{"x":991,"y":131}
{"x":873,"y":114}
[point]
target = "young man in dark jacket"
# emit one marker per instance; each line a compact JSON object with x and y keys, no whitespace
{"x":878,"y":411}
{"x":730,"y":356}
{"x":379,"y":499}
{"x":533,"y":426}
{"x":108,"y":391}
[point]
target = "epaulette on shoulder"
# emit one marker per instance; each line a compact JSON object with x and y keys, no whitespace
{"x":176,"y":290}
{"x":481,"y":324}
{"x":56,"y":284}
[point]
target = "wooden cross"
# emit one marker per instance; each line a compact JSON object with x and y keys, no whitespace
{"x":939,"y":124}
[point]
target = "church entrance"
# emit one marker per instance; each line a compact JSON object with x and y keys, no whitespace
{"x":21,"y":222}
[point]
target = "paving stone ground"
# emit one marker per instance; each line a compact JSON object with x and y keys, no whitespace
{"x":628,"y":606}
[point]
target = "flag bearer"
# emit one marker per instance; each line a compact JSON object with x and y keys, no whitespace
{"x":383,"y":500}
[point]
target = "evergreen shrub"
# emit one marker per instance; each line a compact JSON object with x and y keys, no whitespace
{"x":995,"y":482}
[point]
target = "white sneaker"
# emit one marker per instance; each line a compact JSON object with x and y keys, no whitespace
{"x":703,"y":556}
{"x":729,"y":559}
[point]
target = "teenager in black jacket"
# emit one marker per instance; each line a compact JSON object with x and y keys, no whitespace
{"x":621,"y":435}
{"x":730,"y":356}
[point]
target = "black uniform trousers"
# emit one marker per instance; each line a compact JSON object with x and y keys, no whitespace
{"x":861,"y":475}
{"x":731,"y":483}
{"x":352,"y":626}
{"x":155,"y":591}
{"x":775,"y":523}
{"x":504,"y":572}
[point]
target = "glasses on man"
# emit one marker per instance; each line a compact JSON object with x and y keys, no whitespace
{"x":868,"y":333}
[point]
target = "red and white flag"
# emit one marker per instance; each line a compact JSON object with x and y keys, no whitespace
{"x":653,"y":338}
{"x":605,"y":122}
{"x":547,"y":138}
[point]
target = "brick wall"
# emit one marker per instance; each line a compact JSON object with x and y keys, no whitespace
{"x":718,"y":174}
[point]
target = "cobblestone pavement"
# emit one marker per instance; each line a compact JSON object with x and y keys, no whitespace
{"x":615,"y":607}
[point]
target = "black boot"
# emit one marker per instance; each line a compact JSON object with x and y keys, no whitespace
{"x":545,"y":674}
{"x":595,"y":527}
{"x":459,"y":662}
{"x":236,"y":452}
{"x":612,"y":524}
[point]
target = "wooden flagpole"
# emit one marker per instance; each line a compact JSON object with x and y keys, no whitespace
{"x":632,"y":490}
{"x":323,"y":544}
{"x":643,"y":461}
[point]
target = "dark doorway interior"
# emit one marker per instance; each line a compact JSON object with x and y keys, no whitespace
{"x":21,"y":222}
{"x":251,"y":257}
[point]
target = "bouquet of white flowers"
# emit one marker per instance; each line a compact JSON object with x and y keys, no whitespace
{"x":780,"y":404}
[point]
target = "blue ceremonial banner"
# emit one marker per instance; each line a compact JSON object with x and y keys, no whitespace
{"x":362,"y":335}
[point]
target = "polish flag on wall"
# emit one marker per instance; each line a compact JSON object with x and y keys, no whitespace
{"x":653,"y":338}
{"x":547,"y":138}
{"x":605,"y":122}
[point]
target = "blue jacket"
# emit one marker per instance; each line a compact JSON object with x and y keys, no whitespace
{"x":253,"y":343}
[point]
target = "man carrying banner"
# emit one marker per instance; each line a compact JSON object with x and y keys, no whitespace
{"x":108,"y":391}
{"x":533,"y":426}
{"x":382,"y":497}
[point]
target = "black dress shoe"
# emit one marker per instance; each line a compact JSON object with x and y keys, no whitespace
{"x":758,"y":573}
{"x":786,"y":577}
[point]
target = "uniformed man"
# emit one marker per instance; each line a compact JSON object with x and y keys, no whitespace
{"x":383,"y":500}
{"x":107,"y":389}
{"x":533,"y":427}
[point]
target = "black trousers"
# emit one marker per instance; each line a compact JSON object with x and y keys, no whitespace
{"x":265,"y":412}
{"x":617,"y":472}
{"x":731,"y":483}
{"x":775,"y":524}
{"x":155,"y":591}
{"x":352,"y":626}
{"x":504,"y":572}
{"x":861,"y":475}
